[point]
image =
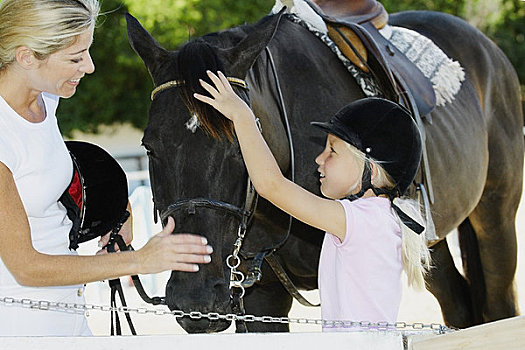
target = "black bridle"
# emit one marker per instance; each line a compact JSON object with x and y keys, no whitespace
{"x":244,"y":214}
{"x":190,"y":205}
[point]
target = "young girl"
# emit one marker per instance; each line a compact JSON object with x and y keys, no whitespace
{"x":371,"y":157}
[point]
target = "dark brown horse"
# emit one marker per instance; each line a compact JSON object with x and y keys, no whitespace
{"x":475,"y":147}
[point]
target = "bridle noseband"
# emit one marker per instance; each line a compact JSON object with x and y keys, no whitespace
{"x":190,"y":205}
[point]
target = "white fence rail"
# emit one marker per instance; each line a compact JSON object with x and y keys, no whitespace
{"x":255,"y":341}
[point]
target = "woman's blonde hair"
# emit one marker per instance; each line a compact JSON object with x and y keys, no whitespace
{"x":44,"y":26}
{"x":415,"y":253}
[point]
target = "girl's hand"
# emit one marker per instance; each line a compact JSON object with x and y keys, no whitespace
{"x":181,"y":252}
{"x":224,"y":99}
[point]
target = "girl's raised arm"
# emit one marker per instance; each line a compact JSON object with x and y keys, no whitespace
{"x":324,"y":214}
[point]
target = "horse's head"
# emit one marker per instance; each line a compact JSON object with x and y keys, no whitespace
{"x":196,"y":169}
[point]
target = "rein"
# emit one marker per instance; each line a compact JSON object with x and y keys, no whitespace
{"x":270,"y":258}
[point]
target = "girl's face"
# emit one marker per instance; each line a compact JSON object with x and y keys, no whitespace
{"x":340,"y":170}
{"x":60,"y":73}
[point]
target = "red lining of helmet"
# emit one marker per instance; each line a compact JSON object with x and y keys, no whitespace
{"x":75,"y":190}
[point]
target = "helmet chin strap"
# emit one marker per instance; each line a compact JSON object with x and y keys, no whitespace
{"x":366,"y":184}
{"x":366,"y":181}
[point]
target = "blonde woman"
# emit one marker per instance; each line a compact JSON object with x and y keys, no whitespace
{"x":371,"y":157}
{"x":44,"y":55}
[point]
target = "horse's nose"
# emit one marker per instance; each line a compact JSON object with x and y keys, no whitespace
{"x":207,"y":296}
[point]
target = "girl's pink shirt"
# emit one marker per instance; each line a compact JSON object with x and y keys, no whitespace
{"x":360,"y":278}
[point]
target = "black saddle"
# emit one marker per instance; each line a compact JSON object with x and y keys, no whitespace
{"x":355,"y":11}
{"x":391,"y":68}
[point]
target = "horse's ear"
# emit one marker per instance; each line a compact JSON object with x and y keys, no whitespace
{"x":242,"y":56}
{"x":144,"y":44}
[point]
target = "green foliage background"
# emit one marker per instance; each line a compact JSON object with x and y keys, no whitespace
{"x":119,"y":90}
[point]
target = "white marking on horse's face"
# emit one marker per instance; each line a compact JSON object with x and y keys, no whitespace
{"x":193,"y":123}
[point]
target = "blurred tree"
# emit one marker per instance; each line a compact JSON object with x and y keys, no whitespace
{"x":175,"y":22}
{"x":502,"y":20}
{"x":509,"y":34}
{"x":119,"y":90}
{"x":453,"y":7}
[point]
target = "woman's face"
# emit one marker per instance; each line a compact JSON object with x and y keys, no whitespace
{"x":340,"y":170}
{"x":60,"y":73}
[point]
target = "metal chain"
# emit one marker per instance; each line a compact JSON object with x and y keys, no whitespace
{"x":214,"y":316}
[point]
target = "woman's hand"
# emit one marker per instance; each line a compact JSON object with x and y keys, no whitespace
{"x":126,"y":231}
{"x":224,"y":99}
{"x":181,"y":252}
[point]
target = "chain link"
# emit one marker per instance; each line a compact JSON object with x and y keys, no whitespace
{"x":214,"y":316}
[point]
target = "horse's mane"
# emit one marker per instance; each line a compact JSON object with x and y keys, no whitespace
{"x":194,"y":59}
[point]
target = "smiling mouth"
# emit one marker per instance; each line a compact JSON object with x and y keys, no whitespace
{"x":74,"y":81}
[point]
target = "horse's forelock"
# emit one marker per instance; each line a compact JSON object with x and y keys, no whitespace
{"x":194,"y":59}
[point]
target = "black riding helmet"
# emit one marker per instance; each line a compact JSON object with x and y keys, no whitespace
{"x":97,"y":198}
{"x":386,"y":132}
